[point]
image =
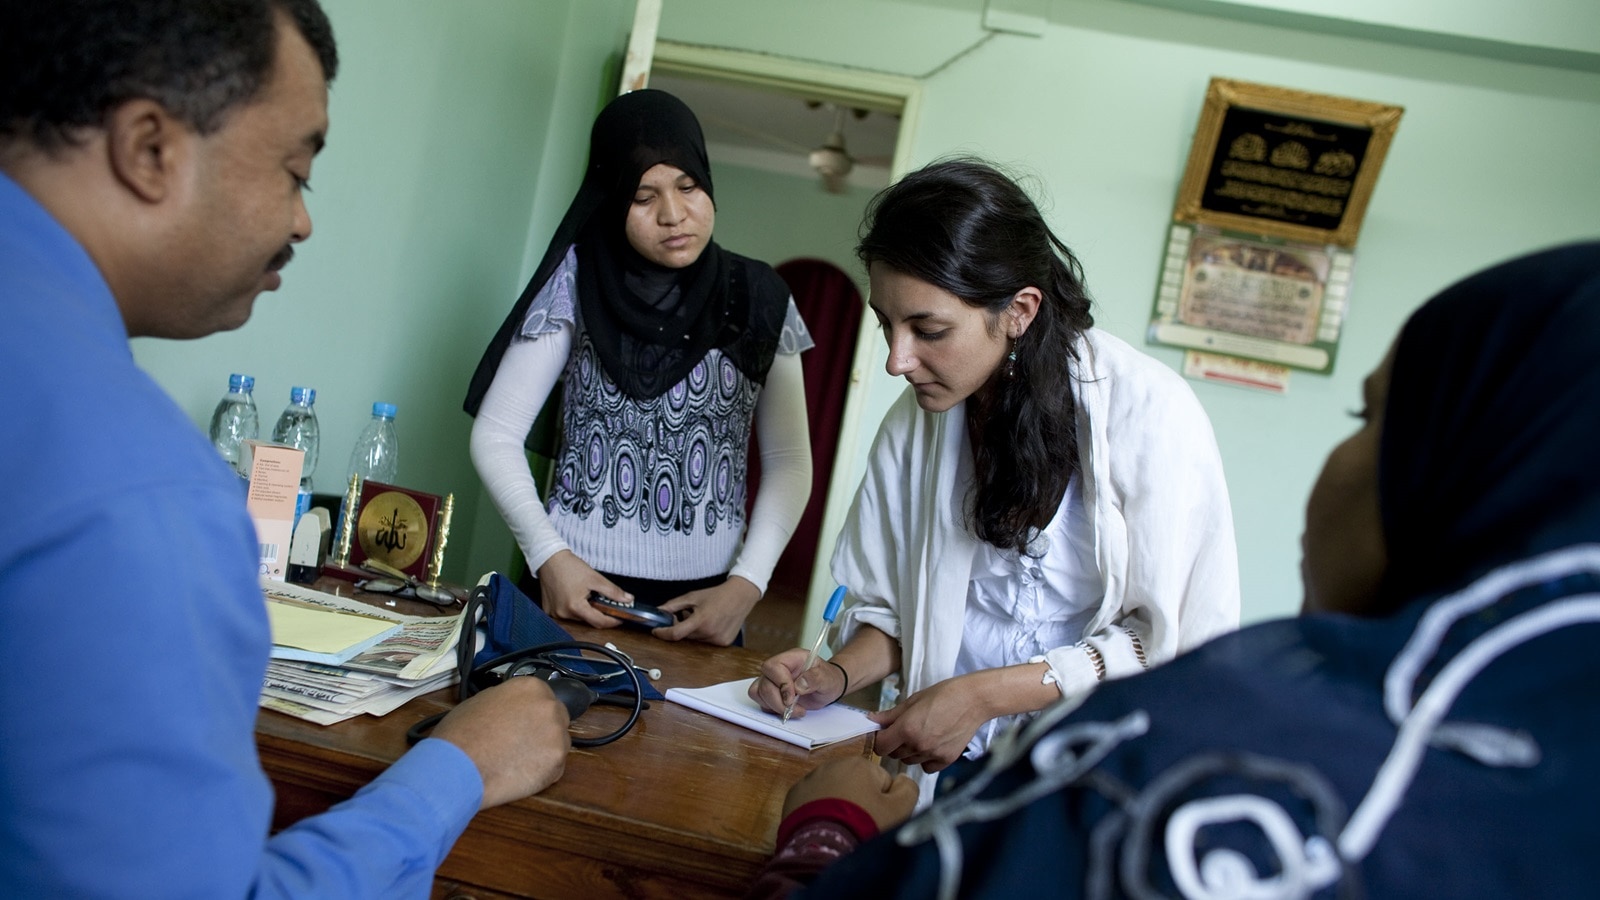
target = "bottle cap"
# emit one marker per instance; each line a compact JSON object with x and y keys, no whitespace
{"x":241,"y":383}
{"x":303,"y":395}
{"x":384,"y":410}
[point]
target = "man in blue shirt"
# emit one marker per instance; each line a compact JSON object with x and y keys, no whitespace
{"x":152,"y":158}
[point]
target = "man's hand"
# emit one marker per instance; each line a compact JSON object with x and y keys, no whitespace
{"x":888,"y":799}
{"x":564,"y":585}
{"x":714,"y":614}
{"x":515,"y":733}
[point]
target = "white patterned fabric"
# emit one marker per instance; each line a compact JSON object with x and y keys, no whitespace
{"x":646,"y":488}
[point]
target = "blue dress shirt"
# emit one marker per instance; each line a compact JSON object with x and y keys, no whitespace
{"x":134,"y":636}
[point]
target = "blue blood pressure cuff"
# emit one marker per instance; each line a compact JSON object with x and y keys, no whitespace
{"x":501,"y":620}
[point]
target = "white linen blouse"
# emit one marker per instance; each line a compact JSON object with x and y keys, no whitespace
{"x":1160,"y":531}
{"x":1022,"y":605}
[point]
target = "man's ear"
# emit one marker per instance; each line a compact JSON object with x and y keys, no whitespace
{"x":147,"y":147}
{"x":1024,"y":306}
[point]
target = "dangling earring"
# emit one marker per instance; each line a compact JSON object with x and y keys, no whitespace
{"x":1011,"y":361}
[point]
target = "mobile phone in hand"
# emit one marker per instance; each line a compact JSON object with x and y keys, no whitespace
{"x":638,"y":615}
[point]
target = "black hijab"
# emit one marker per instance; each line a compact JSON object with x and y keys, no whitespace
{"x":1491,"y":434}
{"x":722,"y":300}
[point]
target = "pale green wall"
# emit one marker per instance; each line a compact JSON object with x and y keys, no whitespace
{"x":775,"y":217}
{"x":448,"y":123}
{"x":459,"y":131}
{"x":1492,"y":158}
{"x":1551,"y":30}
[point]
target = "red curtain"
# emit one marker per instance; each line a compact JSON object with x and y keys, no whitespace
{"x":831,"y":306}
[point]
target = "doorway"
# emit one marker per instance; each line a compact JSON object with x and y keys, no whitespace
{"x":777,"y":131}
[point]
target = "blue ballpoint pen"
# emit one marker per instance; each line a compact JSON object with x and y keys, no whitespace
{"x":834,"y":602}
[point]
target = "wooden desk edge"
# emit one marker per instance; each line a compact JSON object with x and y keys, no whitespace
{"x":538,"y":846}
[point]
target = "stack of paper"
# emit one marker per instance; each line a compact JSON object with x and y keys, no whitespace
{"x":417,"y":656}
{"x":315,"y":634}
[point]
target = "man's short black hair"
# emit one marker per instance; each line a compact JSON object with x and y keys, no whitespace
{"x":65,"y":64}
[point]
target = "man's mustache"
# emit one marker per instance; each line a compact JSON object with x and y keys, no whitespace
{"x":281,"y":258}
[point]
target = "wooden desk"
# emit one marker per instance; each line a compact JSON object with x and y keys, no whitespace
{"x":684,"y":805}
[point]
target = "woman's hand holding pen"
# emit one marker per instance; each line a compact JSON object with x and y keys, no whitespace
{"x":782,"y":682}
{"x":867,"y":658}
{"x":564,"y":585}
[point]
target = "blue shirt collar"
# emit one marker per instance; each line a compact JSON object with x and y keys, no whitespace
{"x":33,"y":244}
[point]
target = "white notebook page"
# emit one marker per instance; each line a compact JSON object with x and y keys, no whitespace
{"x":730,"y":701}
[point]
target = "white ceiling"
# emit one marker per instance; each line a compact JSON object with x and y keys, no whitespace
{"x":776,"y":131}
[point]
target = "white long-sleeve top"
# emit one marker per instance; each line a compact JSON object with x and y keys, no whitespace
{"x":1156,"y":506}
{"x":532,"y":365}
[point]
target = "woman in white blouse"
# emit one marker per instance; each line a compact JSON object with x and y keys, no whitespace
{"x":1044,"y":507}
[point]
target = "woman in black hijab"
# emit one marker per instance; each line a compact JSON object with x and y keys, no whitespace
{"x":1427,"y":729}
{"x":669,"y":348}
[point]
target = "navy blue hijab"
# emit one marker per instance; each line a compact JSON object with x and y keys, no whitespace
{"x":1508,"y":465}
{"x":1490,"y":452}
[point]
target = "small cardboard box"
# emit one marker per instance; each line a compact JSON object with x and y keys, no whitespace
{"x":274,"y":490}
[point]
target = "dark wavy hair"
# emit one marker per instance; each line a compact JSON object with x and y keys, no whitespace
{"x":966,"y":227}
{"x":65,"y":64}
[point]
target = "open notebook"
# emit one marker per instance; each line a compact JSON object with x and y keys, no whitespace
{"x":730,"y":701}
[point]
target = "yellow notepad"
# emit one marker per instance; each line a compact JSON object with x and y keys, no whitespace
{"x":320,"y":635}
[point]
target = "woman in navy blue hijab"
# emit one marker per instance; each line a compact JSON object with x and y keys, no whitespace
{"x":1493,"y":434}
{"x":1428,"y":728}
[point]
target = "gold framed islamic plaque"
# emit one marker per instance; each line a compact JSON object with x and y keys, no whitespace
{"x":1284,"y":163}
{"x":395,"y":526}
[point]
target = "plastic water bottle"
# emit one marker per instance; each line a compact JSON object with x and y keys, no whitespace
{"x":297,"y":427}
{"x":235,"y":421}
{"x":376,"y":456}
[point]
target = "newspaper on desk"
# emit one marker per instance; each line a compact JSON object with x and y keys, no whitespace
{"x":416,"y":660}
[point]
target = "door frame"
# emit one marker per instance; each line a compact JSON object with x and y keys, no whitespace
{"x":848,"y":87}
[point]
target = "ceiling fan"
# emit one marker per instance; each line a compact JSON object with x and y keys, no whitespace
{"x":832,"y":161}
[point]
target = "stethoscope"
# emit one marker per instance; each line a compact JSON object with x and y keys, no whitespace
{"x":653,"y":674}
{"x":572,"y":678}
